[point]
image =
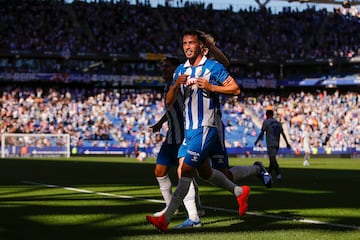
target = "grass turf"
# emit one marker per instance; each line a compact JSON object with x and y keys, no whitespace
{"x":108,"y":198}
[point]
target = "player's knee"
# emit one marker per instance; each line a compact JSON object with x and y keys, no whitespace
{"x":228,"y":174}
{"x":160,"y":170}
{"x":187,"y":170}
{"x":205,"y":173}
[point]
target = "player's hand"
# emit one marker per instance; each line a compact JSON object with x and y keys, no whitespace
{"x":288,"y":146}
{"x":181,"y":80}
{"x":203,"y":83}
{"x":155,"y":128}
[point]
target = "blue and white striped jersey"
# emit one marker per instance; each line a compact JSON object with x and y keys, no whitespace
{"x":200,"y":107}
{"x":175,"y":120}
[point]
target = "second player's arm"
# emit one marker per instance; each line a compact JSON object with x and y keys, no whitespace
{"x":157,"y":126}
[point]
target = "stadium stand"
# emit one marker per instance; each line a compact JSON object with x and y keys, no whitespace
{"x":90,"y":70}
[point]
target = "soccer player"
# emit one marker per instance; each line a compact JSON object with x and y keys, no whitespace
{"x":167,"y":156}
{"x":200,"y":81}
{"x":273,"y":130}
{"x":305,"y":142}
{"x":140,"y":147}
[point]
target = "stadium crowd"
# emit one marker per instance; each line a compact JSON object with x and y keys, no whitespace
{"x":118,"y":28}
{"x":56,"y":30}
{"x":334,"y":118}
{"x":101,"y":116}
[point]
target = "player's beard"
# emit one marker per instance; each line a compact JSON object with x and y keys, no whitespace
{"x":189,"y":54}
{"x":192,"y":55}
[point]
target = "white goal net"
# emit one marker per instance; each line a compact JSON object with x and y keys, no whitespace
{"x":35,"y":145}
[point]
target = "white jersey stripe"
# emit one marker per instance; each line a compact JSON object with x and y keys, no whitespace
{"x":200,"y":106}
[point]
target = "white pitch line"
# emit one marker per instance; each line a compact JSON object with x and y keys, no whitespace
{"x":302,"y":220}
{"x":211,"y":208}
{"x":92,"y":192}
{"x":78,"y":190}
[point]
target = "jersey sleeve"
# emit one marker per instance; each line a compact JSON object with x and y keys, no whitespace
{"x":219,"y":73}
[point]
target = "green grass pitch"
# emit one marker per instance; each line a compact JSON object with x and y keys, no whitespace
{"x":108,"y":198}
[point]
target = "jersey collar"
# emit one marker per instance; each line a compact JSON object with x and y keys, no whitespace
{"x":202,"y":62}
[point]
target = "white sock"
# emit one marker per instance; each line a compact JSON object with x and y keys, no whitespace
{"x":181,"y":190}
{"x":197,"y":195}
{"x":242,"y":172}
{"x":165,"y":188}
{"x":190,"y":203}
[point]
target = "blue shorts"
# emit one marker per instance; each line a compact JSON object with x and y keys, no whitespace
{"x":198,"y":145}
{"x":219,"y":157}
{"x":168,"y":154}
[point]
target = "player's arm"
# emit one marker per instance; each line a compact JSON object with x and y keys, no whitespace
{"x":287,"y":142}
{"x":174,"y":90}
{"x":229,"y":87}
{"x":258,"y":138}
{"x":157,"y":126}
{"x":261,"y":135}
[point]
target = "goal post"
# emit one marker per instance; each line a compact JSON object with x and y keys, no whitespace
{"x":35,"y":145}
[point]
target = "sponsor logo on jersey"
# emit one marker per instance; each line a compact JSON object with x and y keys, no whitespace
{"x":195,"y":155}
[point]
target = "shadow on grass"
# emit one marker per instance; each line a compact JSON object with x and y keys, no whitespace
{"x":115,"y":218}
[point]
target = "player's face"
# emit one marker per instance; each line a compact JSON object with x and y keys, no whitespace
{"x":191,"y":47}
